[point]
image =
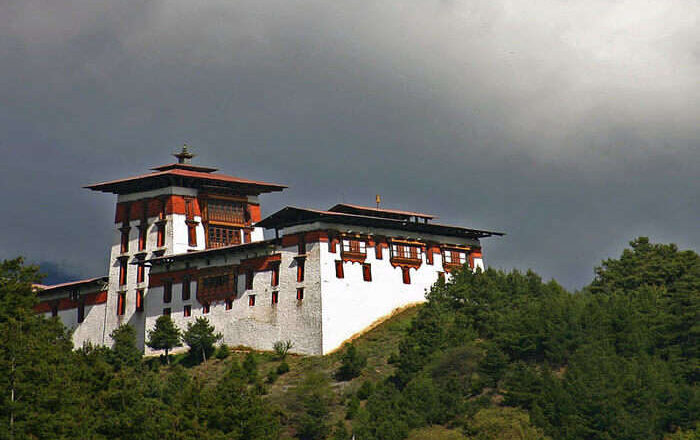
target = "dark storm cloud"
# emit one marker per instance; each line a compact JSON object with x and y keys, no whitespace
{"x":570,"y":125}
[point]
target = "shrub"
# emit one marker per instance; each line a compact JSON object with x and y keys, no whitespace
{"x":352,"y":363}
{"x":250,"y":366}
{"x":282,"y":368}
{"x":282,"y":348}
{"x":272,"y":376}
{"x":365,"y":390}
{"x":223,"y":352}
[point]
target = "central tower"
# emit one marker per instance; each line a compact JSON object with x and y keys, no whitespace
{"x":175,"y":209}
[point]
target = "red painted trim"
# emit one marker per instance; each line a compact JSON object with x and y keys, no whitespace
{"x":90,"y":299}
{"x":260,"y":264}
{"x":158,"y":279}
{"x":254,"y":211}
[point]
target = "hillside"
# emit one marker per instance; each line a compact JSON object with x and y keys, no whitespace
{"x":490,"y":356}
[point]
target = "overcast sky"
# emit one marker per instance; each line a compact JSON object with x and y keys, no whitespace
{"x":571,"y":125}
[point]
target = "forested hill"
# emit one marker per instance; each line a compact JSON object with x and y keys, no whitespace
{"x":493,"y":355}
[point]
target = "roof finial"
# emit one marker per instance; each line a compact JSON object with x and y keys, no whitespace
{"x":184,"y":156}
{"x":378,"y":199}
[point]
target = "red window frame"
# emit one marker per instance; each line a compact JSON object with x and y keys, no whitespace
{"x":140,"y":272}
{"x":160,"y":241}
{"x":406,"y":275}
{"x":121,"y":303}
{"x":229,"y":303}
{"x":275,"y":277}
{"x":251,"y":300}
{"x":300,"y":293}
{"x":139,"y":300}
{"x":142,"y":237}
{"x":378,"y":251}
{"x":122,"y":271}
{"x":300,"y":270}
{"x":125,"y":240}
{"x":339,"y":271}
{"x":206,"y":308}
{"x":275,"y":297}
{"x":366,"y":272}
{"x":167,"y":311}
{"x":187,"y":311}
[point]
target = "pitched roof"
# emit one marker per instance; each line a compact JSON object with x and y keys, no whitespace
{"x":211,"y":252}
{"x":377,"y":212}
{"x":74,"y":284}
{"x":187,"y":176}
{"x":292,"y":215}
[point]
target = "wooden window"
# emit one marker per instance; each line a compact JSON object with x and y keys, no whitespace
{"x":187,"y":311}
{"x":140,"y":271}
{"x":160,"y":240}
{"x":275,"y":297}
{"x":186,"y":287}
{"x":81,"y":312}
{"x":192,"y":233}
{"x":122,"y":271}
{"x":162,"y":209}
{"x":455,"y":257}
{"x":339,"y":272}
{"x":167,"y":291}
{"x":275,"y":281}
{"x":189,"y":208}
{"x":378,"y":251}
{"x":143,"y":229}
{"x":167,"y":311}
{"x":366,"y":272}
{"x":121,"y":303}
{"x":355,"y":246}
{"x":251,"y":300}
{"x":219,"y":236}
{"x":125,"y":240}
{"x":406,"y":275}
{"x":300,"y":293}
{"x":300,"y":270}
{"x":226,"y":211}
{"x":406,"y":251}
{"x":428,"y":255}
{"x":301,"y":246}
{"x":229,"y":303}
{"x":139,"y":300}
{"x":246,"y":236}
{"x":331,"y":244}
{"x":249,"y":275}
{"x":206,"y":308}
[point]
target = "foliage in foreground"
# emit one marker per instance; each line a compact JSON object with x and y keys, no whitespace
{"x":490,"y":356}
{"x":618,"y":360}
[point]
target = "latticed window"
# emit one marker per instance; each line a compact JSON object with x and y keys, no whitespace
{"x":219,"y":236}
{"x":355,"y":246}
{"x":455,"y":257}
{"x":226,"y":211}
{"x":405,"y":251}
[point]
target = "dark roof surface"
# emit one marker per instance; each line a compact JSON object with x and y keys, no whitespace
{"x":291,"y":216}
{"x":49,"y":289}
{"x":378,"y":212}
{"x":187,"y":176}
{"x":210,"y":252}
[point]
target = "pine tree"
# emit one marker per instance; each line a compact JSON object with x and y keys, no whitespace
{"x":200,"y":337}
{"x":164,"y":336}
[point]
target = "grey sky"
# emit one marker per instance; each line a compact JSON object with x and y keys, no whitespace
{"x":572,"y":126}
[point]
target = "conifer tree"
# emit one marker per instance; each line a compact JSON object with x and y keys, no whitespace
{"x":164,"y":336}
{"x":200,"y":337}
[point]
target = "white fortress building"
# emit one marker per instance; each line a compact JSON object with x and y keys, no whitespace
{"x":189,"y":242}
